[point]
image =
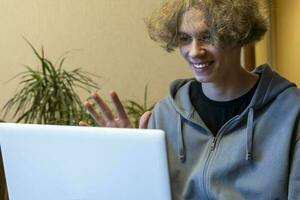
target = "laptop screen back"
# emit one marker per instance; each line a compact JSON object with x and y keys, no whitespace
{"x":46,"y":162}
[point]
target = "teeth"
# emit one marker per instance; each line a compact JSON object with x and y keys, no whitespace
{"x":201,"y":65}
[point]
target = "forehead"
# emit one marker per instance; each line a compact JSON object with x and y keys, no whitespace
{"x":192,"y":21}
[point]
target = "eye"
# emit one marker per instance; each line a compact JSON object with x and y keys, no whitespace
{"x":184,"y":38}
{"x":205,"y":37}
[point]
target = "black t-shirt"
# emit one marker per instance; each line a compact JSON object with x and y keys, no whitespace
{"x":216,"y":113}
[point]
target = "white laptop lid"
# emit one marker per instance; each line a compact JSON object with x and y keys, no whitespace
{"x":45,"y":162}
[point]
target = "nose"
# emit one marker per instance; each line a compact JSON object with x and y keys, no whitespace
{"x":197,"y":50}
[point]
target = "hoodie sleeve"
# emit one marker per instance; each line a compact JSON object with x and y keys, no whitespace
{"x":159,"y":113}
{"x":294,"y":179}
{"x":152,"y":120}
{"x":151,"y":124}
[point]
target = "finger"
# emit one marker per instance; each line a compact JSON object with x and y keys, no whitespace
{"x":106,"y":111}
{"x":83,"y":123}
{"x":143,"y":123}
{"x":118,"y":105}
{"x":100,"y":121}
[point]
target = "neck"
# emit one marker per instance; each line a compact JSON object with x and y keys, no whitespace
{"x":233,"y":86}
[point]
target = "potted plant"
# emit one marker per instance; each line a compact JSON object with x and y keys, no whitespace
{"x":49,"y":95}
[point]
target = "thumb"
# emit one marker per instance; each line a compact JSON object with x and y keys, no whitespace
{"x":83,"y":123}
{"x":144,"y":119}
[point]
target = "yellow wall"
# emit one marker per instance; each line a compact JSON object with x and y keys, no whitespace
{"x":281,"y":45}
{"x":287,"y":40}
{"x":262,"y":55}
{"x":111,"y":37}
{"x":261,"y":52}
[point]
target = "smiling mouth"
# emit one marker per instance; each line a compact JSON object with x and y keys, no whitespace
{"x":201,"y":65}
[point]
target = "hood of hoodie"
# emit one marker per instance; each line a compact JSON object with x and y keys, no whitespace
{"x":270,"y":85}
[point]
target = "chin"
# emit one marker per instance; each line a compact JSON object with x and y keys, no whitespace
{"x":204,"y":76}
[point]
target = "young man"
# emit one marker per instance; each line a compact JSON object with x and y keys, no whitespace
{"x":231,"y":134}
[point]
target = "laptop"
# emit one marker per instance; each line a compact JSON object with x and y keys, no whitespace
{"x":49,"y":162}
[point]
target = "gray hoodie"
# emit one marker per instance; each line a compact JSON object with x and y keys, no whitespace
{"x":255,"y":155}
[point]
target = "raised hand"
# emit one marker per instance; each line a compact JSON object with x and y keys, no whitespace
{"x":106,"y":118}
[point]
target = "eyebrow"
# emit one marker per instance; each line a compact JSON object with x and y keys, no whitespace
{"x":198,"y":34}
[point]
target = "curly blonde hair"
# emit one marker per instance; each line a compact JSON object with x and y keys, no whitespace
{"x":230,"y":22}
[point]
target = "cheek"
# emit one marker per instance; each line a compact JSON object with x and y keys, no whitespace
{"x":213,"y":51}
{"x":183,"y":51}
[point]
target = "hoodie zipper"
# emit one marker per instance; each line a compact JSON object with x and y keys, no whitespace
{"x":213,"y":144}
{"x":205,"y":171}
{"x":213,"y":147}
